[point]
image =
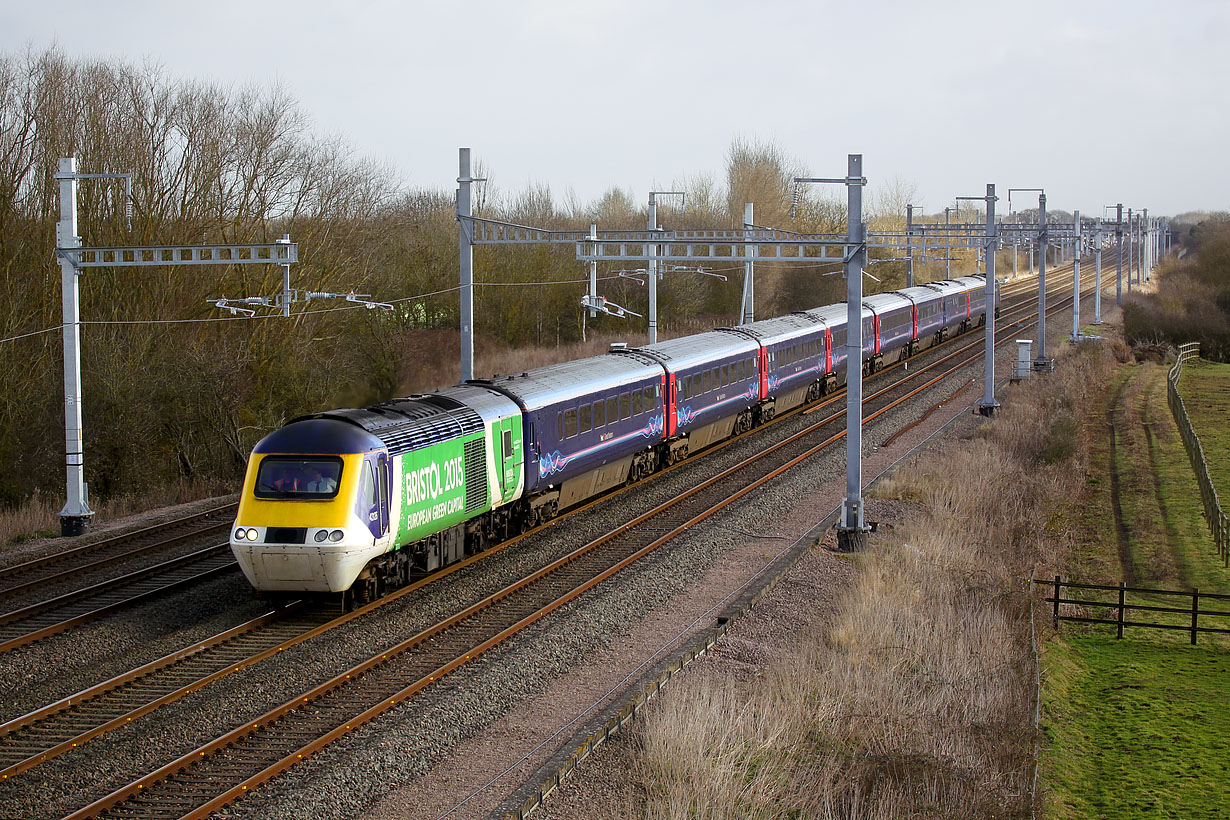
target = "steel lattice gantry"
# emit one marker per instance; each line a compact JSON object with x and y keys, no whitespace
{"x":732,"y":246}
{"x":73,"y":258}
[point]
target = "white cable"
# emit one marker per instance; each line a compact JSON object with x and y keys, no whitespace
{"x":32,"y":333}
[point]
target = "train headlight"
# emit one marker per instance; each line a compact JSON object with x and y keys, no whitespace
{"x":240,"y":534}
{"x":336,"y":535}
{"x":252,"y":534}
{"x":321,"y":535}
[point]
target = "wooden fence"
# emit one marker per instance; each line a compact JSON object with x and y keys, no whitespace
{"x":1076,"y":608}
{"x":1219,"y":524}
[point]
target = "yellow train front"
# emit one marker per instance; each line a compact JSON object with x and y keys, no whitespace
{"x":314,"y":509}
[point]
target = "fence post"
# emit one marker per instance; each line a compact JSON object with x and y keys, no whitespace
{"x":1057,"y":603}
{"x":1224,"y":540}
{"x":1195,"y":612}
{"x":1119,"y":630}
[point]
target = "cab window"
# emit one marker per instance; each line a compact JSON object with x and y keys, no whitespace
{"x":307,"y":479}
{"x":367,"y":490}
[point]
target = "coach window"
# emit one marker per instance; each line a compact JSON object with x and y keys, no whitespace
{"x":612,"y":409}
{"x":651,"y":402}
{"x":559,"y":426}
{"x":599,"y":414}
{"x":705,"y":381}
{"x":725,"y":375}
{"x":637,"y":407}
{"x":570,"y":423}
{"x":586,"y":421}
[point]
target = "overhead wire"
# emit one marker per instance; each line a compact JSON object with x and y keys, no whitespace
{"x":359,"y":306}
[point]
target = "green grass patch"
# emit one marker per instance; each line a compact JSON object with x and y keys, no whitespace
{"x":1205,"y":388}
{"x":1164,"y":541}
{"x":1096,"y":553}
{"x":1136,"y":728}
{"x":1178,"y":494}
{"x":1140,"y":728}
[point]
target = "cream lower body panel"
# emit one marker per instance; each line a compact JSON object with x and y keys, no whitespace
{"x":303,"y":567}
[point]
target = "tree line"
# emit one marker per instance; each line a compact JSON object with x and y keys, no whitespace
{"x":176,"y":389}
{"x":1192,"y":300}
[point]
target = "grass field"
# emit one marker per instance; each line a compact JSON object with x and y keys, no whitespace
{"x":1205,"y":388}
{"x":1140,"y":728}
{"x":1142,"y":521}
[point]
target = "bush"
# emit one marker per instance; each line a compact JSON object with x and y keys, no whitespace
{"x":1192,"y":301}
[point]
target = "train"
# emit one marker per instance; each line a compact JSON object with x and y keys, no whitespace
{"x":359,"y":501}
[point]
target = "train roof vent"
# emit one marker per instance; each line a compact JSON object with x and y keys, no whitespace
{"x":443,"y":402}
{"x":405,"y":425}
{"x":741,"y":330}
{"x":388,"y":414}
{"x":420,"y":433}
{"x":635,"y":353}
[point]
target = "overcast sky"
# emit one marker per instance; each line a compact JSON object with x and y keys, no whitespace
{"x":1098,"y":102}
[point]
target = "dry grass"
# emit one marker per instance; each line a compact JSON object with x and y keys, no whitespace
{"x":433,"y":362}
{"x":39,"y":516}
{"x":432,"y":356}
{"x":918,"y":702}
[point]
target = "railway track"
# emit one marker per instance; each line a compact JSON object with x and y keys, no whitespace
{"x":50,"y":569}
{"x":59,"y":727}
{"x":23,"y":626}
{"x":218,"y":772}
{"x":26,"y":624}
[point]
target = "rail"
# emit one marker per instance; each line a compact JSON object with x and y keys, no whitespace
{"x":1219,"y":524}
{"x":1123,"y":608}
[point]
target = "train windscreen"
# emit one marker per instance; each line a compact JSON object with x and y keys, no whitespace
{"x":305,"y":479}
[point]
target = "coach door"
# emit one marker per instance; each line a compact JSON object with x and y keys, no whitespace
{"x":669,"y":401}
{"x":382,"y":482}
{"x":509,"y":461}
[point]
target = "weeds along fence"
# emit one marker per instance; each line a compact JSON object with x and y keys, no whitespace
{"x":1183,"y":618}
{"x":1219,"y":524}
